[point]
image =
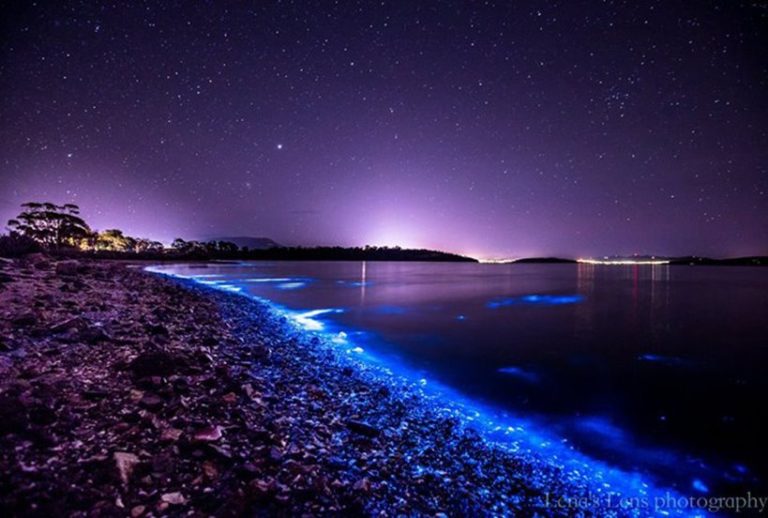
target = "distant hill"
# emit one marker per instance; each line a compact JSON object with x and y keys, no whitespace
{"x":368,"y":253}
{"x":735,"y":261}
{"x":545,"y":260}
{"x":253,"y":243}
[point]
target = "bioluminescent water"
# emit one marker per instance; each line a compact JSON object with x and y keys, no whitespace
{"x":657,"y":371}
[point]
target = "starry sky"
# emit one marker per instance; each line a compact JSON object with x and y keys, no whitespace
{"x":495,"y":129}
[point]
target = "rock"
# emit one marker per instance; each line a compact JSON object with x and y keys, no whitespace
{"x":275,"y":454}
{"x":156,"y":329}
{"x":221,"y":450}
{"x":38,"y":260}
{"x":262,"y":487}
{"x":13,"y":415}
{"x":249,"y":391}
{"x":363,"y":428}
{"x":125,"y":462}
{"x":93,"y":334}
{"x":138,"y":511}
{"x":151,"y":402}
{"x":42,"y":413}
{"x":210,"y":470}
{"x":77,"y":323}
{"x":170,"y":435}
{"x":26,"y":319}
{"x":95,"y":393}
{"x":363,"y":485}
{"x":67,"y":268}
{"x":208,"y":434}
{"x":153,"y":363}
{"x":174,"y":498}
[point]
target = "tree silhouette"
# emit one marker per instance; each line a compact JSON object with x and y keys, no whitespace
{"x":115,"y":241}
{"x":50,"y":225}
{"x":143,"y":245}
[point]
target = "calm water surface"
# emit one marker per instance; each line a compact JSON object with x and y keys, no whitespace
{"x":659,"y":369}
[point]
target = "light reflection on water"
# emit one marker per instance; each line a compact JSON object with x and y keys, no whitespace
{"x":652,"y":368}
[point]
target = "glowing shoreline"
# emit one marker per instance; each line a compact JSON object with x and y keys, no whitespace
{"x":513,"y":434}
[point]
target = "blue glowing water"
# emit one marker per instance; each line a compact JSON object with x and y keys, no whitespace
{"x":654,"y":372}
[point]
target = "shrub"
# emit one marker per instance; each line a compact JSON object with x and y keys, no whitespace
{"x":15,"y":245}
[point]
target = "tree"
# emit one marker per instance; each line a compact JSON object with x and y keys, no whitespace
{"x":188,"y":247}
{"x":115,"y":241}
{"x":227,"y":247}
{"x":143,"y":245}
{"x":180,"y":245}
{"x":50,"y":225}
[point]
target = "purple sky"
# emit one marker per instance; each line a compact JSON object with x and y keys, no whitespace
{"x":525,"y":128}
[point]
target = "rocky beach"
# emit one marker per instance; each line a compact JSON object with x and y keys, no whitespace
{"x":124,"y":393}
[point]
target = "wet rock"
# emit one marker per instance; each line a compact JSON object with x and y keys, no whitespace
{"x":262,"y":487}
{"x":209,"y":341}
{"x":363,"y":485}
{"x":275,"y":455}
{"x":363,"y":428}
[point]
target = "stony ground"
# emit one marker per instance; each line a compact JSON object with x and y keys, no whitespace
{"x":126,"y":394}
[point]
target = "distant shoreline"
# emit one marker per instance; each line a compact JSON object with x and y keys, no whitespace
{"x":676,"y":261}
{"x":373,"y":254}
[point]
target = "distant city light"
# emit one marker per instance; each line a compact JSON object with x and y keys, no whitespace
{"x":619,"y":262}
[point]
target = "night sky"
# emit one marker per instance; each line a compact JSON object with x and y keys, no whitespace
{"x":494,"y":129}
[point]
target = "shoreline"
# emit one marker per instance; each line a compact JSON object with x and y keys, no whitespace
{"x":122,"y":392}
{"x":552,"y":464}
